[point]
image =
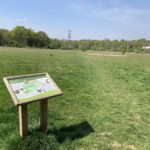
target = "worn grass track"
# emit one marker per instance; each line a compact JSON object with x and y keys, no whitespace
{"x":106,"y":101}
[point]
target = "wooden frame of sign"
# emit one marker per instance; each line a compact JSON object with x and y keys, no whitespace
{"x":29,"y":88}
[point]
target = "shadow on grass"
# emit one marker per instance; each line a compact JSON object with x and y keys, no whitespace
{"x":50,"y":140}
{"x":72,"y":132}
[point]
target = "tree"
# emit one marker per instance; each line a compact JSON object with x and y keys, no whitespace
{"x":19,"y":34}
{"x":4,"y":37}
{"x":22,"y":37}
{"x":42,"y":39}
{"x":84,"y":45}
{"x":31,"y":38}
{"x":54,"y":44}
{"x":124,"y":49}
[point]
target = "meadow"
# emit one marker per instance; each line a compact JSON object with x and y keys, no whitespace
{"x":105,"y":105}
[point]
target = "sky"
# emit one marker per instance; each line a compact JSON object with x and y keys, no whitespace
{"x":87,"y":19}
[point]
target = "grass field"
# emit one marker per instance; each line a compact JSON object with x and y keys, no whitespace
{"x":105,"y":106}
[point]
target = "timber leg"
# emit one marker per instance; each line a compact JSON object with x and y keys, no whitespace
{"x":43,"y":114}
{"x":23,"y":120}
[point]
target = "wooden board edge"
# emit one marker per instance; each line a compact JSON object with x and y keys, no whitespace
{"x":43,"y":98}
{"x":16,"y":101}
{"x":14,"y":98}
{"x":27,"y":75}
{"x":50,"y":78}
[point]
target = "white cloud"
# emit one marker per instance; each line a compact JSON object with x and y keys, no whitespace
{"x":129,"y":16}
{"x":24,"y":19}
{"x":10,"y":23}
{"x":118,"y":11}
{"x":13,"y":20}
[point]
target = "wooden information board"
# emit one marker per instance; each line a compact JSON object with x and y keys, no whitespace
{"x":30,"y":88}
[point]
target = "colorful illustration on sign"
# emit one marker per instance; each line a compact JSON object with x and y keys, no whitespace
{"x":33,"y":87}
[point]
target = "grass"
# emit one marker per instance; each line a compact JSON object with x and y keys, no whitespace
{"x":105,"y":106}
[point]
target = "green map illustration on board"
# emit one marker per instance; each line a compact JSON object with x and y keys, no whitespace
{"x":30,"y":88}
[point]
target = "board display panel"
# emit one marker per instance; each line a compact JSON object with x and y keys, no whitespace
{"x":28,"y":88}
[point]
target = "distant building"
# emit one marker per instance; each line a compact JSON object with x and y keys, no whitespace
{"x":145,"y":47}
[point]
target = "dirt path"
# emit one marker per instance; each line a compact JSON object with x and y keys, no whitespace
{"x":105,"y":54}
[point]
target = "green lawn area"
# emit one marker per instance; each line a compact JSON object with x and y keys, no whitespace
{"x":105,"y":106}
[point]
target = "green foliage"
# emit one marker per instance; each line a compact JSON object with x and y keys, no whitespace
{"x":4,"y":37}
{"x":54,"y":44}
{"x":42,"y":39}
{"x":24,"y":37}
{"x":19,"y":34}
{"x":66,"y":45}
{"x":84,"y":45}
{"x":124,"y":50}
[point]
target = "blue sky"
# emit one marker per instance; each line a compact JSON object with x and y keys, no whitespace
{"x":88,"y":19}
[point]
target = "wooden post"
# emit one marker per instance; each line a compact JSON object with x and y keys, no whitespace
{"x":43,"y":114}
{"x":23,"y":120}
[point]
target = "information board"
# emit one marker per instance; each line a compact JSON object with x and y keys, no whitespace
{"x":28,"y":88}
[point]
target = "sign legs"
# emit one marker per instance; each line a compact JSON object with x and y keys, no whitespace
{"x":23,"y":120}
{"x":23,"y":117}
{"x":43,"y":114}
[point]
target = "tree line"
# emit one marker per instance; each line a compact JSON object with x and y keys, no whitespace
{"x":26,"y":37}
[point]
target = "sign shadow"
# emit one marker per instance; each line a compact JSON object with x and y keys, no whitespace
{"x":72,"y":132}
